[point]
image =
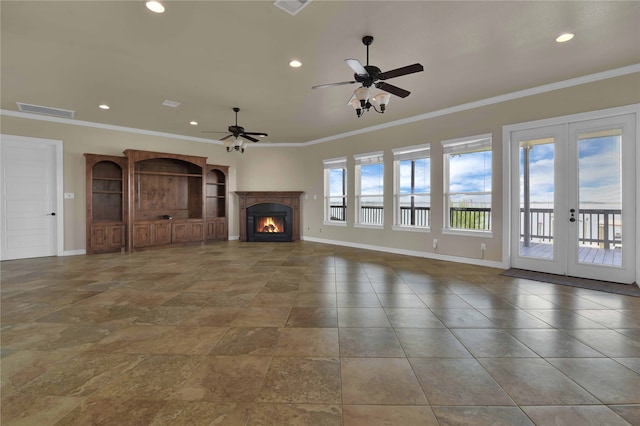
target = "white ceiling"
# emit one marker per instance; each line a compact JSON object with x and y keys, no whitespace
{"x":213,"y":55}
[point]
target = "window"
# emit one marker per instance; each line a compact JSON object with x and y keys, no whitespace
{"x":335,"y":190}
{"x":412,"y":183}
{"x":369,"y":189}
{"x":467,"y":184}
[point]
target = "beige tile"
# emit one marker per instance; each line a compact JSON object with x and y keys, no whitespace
{"x":486,"y":343}
{"x":224,"y":378}
{"x":630,"y":413}
{"x":383,"y":415}
{"x":458,"y":382}
{"x":481,"y":416}
{"x":413,"y":317}
{"x":606,"y":379}
{"x":262,"y":317}
{"x":113,"y":411}
{"x":194,"y":413}
{"x":156,"y":377}
{"x":310,"y":342}
{"x":247,"y":341}
{"x":30,"y":410}
{"x":533,"y":381}
{"x":362,"y":317}
{"x":369,"y":342}
{"x":302,"y":380}
{"x":375,"y":381}
{"x":313,"y":317}
{"x":575,"y":415}
{"x":431,"y":342}
{"x":295,"y":415}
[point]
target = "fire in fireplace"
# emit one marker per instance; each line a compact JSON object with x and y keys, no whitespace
{"x":269,"y":224}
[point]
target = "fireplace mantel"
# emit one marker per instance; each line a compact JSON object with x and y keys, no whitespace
{"x":251,"y":198}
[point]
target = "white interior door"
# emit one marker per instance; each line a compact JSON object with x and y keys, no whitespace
{"x":573,"y":198}
{"x":31,"y":209}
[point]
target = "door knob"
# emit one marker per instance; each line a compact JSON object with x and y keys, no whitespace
{"x":573,"y":219}
{"x":52,"y":214}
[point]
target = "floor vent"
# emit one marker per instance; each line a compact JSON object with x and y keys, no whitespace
{"x":38,"y":109}
{"x":291,"y":6}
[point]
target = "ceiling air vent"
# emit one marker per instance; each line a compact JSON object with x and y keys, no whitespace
{"x":38,"y":109}
{"x":291,"y":6}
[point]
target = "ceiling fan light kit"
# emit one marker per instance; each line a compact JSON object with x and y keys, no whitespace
{"x":369,"y":75}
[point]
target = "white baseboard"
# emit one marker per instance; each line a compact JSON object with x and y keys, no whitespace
{"x":423,"y":254}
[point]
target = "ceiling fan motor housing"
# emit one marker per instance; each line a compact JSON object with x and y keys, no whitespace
{"x":368,"y":80}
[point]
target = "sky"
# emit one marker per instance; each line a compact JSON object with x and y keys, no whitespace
{"x":598,"y":172}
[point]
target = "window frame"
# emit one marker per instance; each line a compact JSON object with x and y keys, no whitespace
{"x":328,"y":166}
{"x":460,"y":146}
{"x":415,"y":152}
{"x":366,"y":160}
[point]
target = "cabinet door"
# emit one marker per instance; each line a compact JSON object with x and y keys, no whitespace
{"x":221,"y":230}
{"x":99,"y":240}
{"x":179,"y":232}
{"x":115,"y":236}
{"x":196,"y":231}
{"x":161,"y":233}
{"x":142,"y":235}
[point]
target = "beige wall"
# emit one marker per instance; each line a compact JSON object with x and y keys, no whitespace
{"x":265,"y":167}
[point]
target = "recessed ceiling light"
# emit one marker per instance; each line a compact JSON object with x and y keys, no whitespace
{"x":193,"y":123}
{"x":564,"y":37}
{"x":104,"y":106}
{"x":155,"y":6}
{"x":294,"y":63}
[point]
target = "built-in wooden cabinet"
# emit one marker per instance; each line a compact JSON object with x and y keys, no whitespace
{"x":167,"y":198}
{"x":217,"y":199}
{"x":152,"y":199}
{"x":106,"y":186}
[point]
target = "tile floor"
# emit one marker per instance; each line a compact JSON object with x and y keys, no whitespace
{"x":308,"y":334}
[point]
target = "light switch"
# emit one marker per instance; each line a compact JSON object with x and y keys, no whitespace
{"x":69,"y":195}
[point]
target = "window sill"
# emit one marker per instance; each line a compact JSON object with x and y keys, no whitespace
{"x":468,"y":233}
{"x":410,"y":229}
{"x":333,"y":223}
{"x":368,"y":225}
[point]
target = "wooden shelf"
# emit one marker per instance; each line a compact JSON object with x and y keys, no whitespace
{"x":140,"y":172}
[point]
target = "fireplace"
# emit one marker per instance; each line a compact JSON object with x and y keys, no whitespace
{"x":269,"y":222}
{"x":269,"y":216}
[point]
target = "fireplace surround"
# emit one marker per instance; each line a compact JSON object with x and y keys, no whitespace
{"x":269,"y":215}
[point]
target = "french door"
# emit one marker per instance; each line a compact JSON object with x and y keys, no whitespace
{"x":573,"y":193}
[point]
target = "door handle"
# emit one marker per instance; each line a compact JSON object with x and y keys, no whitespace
{"x":573,"y":215}
{"x":51,"y":214}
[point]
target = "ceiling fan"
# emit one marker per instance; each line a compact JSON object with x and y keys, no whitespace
{"x":370,"y":75}
{"x":238,"y":132}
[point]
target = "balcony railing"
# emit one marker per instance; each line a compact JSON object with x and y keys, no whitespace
{"x":596,"y":227}
{"x":418,"y":216}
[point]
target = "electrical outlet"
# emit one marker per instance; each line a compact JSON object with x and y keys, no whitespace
{"x":435,"y":243}
{"x":482,"y":247}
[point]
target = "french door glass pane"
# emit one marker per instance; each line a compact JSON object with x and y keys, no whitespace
{"x":600,"y":236}
{"x":537,"y":198}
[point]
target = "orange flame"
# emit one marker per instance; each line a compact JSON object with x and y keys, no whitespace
{"x":269,"y":224}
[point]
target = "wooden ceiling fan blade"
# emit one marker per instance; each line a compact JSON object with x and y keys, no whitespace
{"x":409,"y":69}
{"x":226,"y":137}
{"x":357,"y":67}
{"x":394,"y":90}
{"x":261,"y":134}
{"x":343,"y":83}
